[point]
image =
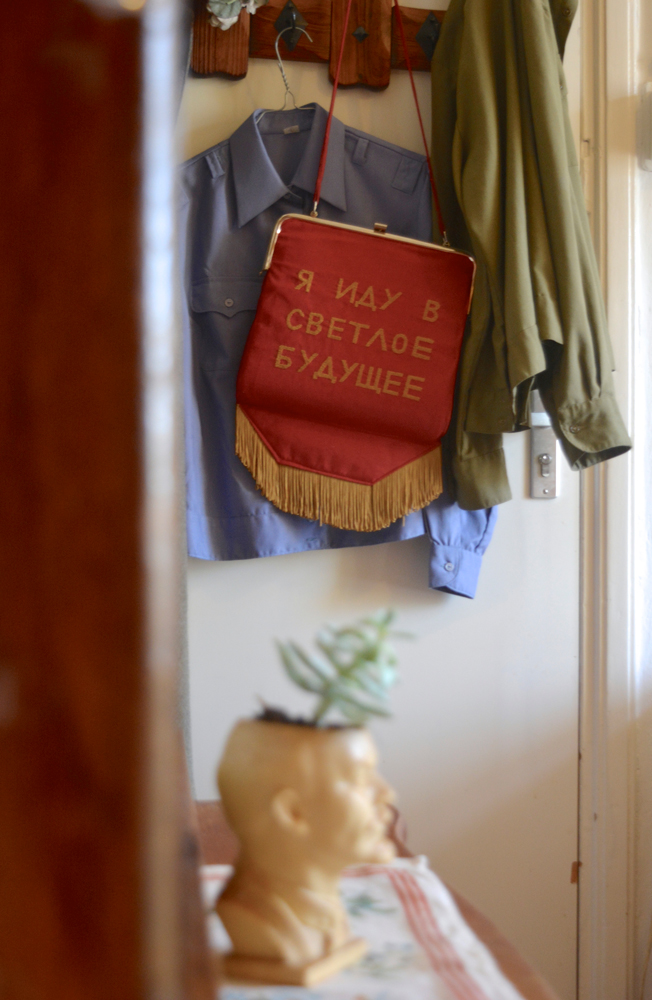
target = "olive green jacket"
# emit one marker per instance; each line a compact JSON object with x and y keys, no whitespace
{"x":509,"y":184}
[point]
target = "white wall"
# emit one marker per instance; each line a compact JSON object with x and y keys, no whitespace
{"x":483,"y":746}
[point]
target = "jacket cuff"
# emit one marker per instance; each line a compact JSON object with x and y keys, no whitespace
{"x":592,"y":432}
{"x":454,"y":570}
{"x":481,"y":480}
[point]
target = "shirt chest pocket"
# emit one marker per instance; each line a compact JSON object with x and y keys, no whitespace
{"x":223,"y":311}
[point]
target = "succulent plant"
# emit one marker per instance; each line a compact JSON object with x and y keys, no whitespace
{"x":355,"y":671}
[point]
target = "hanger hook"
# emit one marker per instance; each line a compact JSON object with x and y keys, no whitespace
{"x":291,"y":27}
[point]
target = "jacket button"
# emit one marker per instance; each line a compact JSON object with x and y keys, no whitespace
{"x":573,"y":429}
{"x":228,"y":302}
{"x":566,"y":11}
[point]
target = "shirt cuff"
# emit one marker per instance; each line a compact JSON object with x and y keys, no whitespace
{"x":481,"y":480}
{"x":592,"y":432}
{"x":454,"y":570}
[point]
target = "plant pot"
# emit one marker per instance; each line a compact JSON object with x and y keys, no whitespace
{"x":305,"y":803}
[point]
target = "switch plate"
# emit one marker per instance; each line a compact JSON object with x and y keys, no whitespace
{"x":543,"y":452}
{"x":645,"y":128}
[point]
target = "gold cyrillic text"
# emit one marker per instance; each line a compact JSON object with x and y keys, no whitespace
{"x":410,"y":387}
{"x":305,"y":280}
{"x":420,"y":350}
{"x":282,"y":359}
{"x":431,"y":311}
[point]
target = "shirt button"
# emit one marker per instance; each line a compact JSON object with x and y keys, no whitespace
{"x":228,"y":302}
{"x":566,"y":11}
{"x":449,"y":567}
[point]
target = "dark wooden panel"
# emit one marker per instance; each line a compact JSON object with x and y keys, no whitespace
{"x":77,"y":618}
{"x":198,"y":972}
{"x":263,"y":33}
{"x":366,"y":62}
{"x":71,"y":617}
{"x":413,"y":19}
{"x":219,"y":52}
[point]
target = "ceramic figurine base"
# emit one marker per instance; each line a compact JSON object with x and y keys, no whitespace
{"x":265,"y":970}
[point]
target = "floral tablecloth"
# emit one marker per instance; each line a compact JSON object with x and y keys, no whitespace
{"x":420,"y":948}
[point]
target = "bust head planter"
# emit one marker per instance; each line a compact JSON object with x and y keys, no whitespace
{"x":305,"y":800}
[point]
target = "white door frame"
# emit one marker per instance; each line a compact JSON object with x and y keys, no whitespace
{"x":615,"y":580}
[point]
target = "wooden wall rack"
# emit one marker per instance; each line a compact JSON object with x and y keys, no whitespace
{"x":372,"y":50}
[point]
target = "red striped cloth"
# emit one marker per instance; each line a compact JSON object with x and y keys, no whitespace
{"x":420,"y":948}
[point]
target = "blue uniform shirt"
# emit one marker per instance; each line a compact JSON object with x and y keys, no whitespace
{"x":232,"y":195}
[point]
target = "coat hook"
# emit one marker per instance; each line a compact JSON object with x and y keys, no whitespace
{"x":290,"y":17}
{"x":428,"y":35}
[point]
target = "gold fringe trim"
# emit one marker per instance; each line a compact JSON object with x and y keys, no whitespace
{"x":352,"y":506}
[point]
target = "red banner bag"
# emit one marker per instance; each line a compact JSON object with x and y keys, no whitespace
{"x":347,"y":379}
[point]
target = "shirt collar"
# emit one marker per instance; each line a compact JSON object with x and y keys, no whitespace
{"x":257,"y":183}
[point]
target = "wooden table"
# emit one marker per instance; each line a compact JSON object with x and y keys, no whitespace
{"x":219,"y":847}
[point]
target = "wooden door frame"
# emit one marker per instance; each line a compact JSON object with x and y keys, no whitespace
{"x":99,"y":890}
{"x":616,"y":584}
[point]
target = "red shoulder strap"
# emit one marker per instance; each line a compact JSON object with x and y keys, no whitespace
{"x":324,"y":151}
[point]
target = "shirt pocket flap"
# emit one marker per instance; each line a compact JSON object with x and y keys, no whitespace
{"x":226,"y":295}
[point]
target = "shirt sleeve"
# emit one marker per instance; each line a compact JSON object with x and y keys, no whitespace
{"x":459,"y":539}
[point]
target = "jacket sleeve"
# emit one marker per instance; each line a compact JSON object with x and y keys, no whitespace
{"x":508,"y":168}
{"x":577,"y":384}
{"x":475,"y":456}
{"x":459,"y":539}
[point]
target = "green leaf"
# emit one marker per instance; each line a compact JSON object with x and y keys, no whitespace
{"x":345,"y":697}
{"x":323,"y":707}
{"x":314,"y":665}
{"x":370,"y":685}
{"x":352,"y":632}
{"x":362,"y":710}
{"x":356,"y":716}
{"x":303,"y":682}
{"x":355,"y":671}
{"x":330,"y":651}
